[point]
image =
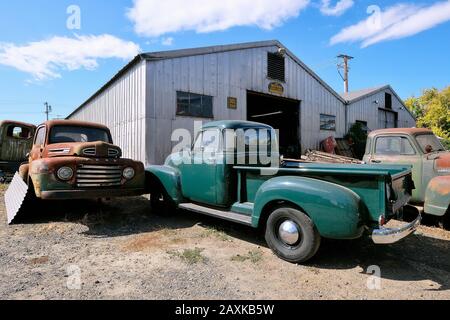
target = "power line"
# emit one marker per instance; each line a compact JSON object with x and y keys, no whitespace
{"x":344,"y":66}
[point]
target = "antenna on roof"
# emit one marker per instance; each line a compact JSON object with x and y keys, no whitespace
{"x":344,"y":66}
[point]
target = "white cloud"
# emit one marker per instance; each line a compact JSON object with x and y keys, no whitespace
{"x":44,"y":59}
{"x":154,"y":18}
{"x":167,"y":41}
{"x":399,"y":21}
{"x":339,"y":9}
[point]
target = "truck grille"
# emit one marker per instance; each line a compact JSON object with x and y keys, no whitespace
{"x":98,"y":176}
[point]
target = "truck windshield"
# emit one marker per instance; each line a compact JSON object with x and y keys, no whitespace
{"x":65,"y":134}
{"x":429,"y":143}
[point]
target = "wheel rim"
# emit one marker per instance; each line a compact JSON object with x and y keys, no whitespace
{"x":289,"y":232}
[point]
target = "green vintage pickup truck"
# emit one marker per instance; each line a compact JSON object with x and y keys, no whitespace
{"x":232,"y":172}
{"x":421,"y":149}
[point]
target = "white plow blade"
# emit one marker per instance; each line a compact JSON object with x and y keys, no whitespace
{"x":14,"y":197}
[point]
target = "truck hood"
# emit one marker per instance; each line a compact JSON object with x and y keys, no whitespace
{"x":443,"y":163}
{"x":97,"y":149}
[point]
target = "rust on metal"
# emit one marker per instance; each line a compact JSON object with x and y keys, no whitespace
{"x":440,"y":185}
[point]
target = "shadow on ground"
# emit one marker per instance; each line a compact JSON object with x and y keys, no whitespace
{"x":415,"y":258}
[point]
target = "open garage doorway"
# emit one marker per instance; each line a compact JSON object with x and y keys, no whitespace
{"x":280,"y":113}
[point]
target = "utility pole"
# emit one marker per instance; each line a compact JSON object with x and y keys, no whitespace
{"x":48,"y":109}
{"x":344,"y":65}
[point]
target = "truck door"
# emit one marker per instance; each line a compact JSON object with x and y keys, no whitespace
{"x":198,"y":174}
{"x":396,"y":149}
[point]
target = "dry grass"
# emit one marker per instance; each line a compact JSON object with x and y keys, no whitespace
{"x":190,"y":256}
{"x":253,"y":256}
{"x":217,"y":233}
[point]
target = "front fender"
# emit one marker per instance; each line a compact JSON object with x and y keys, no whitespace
{"x":334,"y":209}
{"x":169,"y":178}
{"x":437,"y":196}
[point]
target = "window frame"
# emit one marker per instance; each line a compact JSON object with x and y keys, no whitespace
{"x":13,"y":126}
{"x":329,"y":116}
{"x":413,"y":146}
{"x":37,"y":134}
{"x":191,"y":115}
{"x":386,"y":106}
{"x":220,"y":145}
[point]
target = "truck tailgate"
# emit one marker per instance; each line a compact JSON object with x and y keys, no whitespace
{"x":401,"y":191}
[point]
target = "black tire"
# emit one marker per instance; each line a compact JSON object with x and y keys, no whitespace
{"x":446,"y":220}
{"x":308,"y":240}
{"x":160,"y":201}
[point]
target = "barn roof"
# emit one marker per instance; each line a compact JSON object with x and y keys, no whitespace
{"x":354,"y":96}
{"x":162,"y":55}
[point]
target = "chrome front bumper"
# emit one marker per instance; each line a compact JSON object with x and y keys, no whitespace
{"x":392,"y":235}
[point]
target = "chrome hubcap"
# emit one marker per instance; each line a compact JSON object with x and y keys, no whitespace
{"x":289,"y":232}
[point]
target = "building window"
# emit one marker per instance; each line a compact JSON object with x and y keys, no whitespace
{"x":275,"y":66}
{"x":363,"y":125}
{"x":327,"y":122}
{"x":194,"y":105}
{"x":388,"y":100}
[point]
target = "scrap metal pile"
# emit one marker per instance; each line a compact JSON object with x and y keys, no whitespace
{"x":319,"y":156}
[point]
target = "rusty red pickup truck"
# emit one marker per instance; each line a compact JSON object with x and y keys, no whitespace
{"x":74,"y":160}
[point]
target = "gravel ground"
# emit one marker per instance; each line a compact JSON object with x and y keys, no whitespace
{"x":121,"y":250}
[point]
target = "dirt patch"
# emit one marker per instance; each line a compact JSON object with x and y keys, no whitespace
{"x":38,"y":260}
{"x":121,"y":250}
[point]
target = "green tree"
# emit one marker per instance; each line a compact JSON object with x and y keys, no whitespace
{"x":432,"y":111}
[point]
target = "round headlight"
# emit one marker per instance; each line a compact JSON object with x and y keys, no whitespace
{"x":65,"y":173}
{"x":128,"y":173}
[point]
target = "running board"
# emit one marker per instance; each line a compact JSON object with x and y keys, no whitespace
{"x":223,"y":214}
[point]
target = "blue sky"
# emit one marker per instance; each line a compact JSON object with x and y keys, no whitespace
{"x":405,"y":43}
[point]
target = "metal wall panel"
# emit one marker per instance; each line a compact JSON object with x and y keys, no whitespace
{"x":121,"y":107}
{"x":231,"y":74}
{"x":367,"y":110}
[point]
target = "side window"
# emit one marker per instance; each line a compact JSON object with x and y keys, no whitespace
{"x":208,"y":141}
{"x":40,"y":137}
{"x":394,"y":146}
{"x":18,"y":132}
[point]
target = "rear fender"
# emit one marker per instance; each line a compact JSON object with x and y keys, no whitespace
{"x":437,"y":196}
{"x":334,"y":209}
{"x":168,"y":177}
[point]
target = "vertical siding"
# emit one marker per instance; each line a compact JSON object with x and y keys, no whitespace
{"x":121,"y":107}
{"x":367,"y":110}
{"x":230,"y":74}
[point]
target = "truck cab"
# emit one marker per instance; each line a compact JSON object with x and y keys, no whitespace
{"x":16,"y":139}
{"x":430,"y":163}
{"x":78,"y":160}
{"x":233,"y":171}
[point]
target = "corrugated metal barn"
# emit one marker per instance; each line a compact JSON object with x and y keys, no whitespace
{"x":157,"y":93}
{"x":378,"y":108}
